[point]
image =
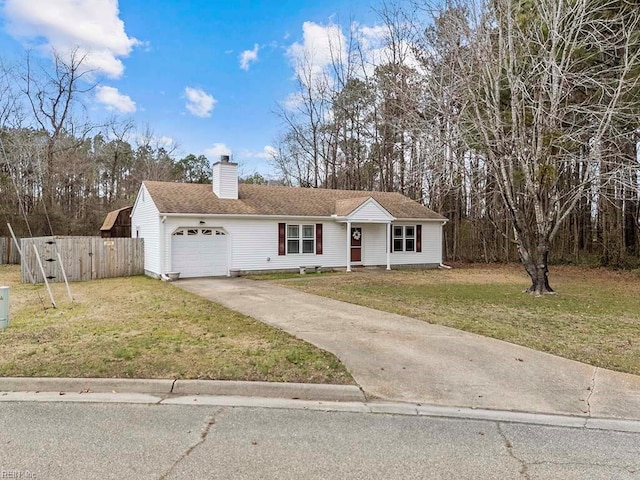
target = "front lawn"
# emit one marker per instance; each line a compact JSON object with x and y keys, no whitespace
{"x":137,"y":327}
{"x":594,"y":318}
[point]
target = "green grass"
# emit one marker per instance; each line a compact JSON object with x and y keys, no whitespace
{"x":594,"y":318}
{"x":288,"y":275}
{"x":143,"y":328}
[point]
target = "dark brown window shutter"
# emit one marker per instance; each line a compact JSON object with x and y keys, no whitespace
{"x":318,"y":239}
{"x":282,"y":245}
{"x":391,"y":239}
{"x":418,"y":238}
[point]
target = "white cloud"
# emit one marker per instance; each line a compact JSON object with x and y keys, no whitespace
{"x":270,"y":152}
{"x":165,"y":142}
{"x":294,"y":101}
{"x":377,"y":33}
{"x":325,"y":46}
{"x":248,"y":57}
{"x":149,"y":138}
{"x":114,"y":100}
{"x":377,"y":50}
{"x":321,"y":47}
{"x":216,"y":150}
{"x":199,"y":102}
{"x":93,"y":27}
{"x":267,"y":153}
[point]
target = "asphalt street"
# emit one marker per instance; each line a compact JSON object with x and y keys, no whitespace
{"x":67,"y":440}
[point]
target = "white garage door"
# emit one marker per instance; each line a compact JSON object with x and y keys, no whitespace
{"x":199,"y":252}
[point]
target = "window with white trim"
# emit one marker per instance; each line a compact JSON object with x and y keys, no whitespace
{"x":301,"y":239}
{"x":404,"y":238}
{"x":409,"y":238}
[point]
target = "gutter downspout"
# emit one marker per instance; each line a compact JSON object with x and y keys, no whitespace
{"x":163,"y":253}
{"x":442,"y":265}
{"x":388,"y":243}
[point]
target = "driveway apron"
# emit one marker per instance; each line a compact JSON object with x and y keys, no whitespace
{"x":398,"y":358}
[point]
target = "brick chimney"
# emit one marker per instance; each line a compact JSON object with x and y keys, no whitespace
{"x":225,"y":178}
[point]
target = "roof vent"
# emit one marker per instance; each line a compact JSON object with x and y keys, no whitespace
{"x":225,"y":158}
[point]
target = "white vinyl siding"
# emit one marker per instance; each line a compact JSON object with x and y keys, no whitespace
{"x":374,"y":244}
{"x":225,"y":180}
{"x":145,"y":221}
{"x":253,"y":243}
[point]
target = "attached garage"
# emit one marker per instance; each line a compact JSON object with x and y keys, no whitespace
{"x":199,"y":252}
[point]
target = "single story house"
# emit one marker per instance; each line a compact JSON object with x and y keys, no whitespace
{"x":212,"y":230}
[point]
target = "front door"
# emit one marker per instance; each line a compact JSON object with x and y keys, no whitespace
{"x":356,"y":245}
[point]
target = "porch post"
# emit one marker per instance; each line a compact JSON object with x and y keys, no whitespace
{"x":388,"y":242}
{"x":348,"y":246}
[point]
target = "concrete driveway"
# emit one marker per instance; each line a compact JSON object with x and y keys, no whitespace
{"x":403,"y":359}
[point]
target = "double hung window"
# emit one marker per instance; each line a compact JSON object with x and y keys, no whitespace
{"x":301,"y":239}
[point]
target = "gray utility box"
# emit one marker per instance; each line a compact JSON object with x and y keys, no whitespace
{"x":4,"y":307}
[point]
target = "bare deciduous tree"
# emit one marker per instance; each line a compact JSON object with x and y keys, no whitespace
{"x":547,"y":86}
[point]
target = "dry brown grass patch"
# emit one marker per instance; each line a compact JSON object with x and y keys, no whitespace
{"x":139,"y":327}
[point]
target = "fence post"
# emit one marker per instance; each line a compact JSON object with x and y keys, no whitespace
{"x":4,"y":307}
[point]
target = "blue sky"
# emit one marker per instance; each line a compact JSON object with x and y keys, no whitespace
{"x":177,"y":66}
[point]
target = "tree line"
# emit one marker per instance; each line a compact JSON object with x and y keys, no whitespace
{"x":60,"y":173}
{"x":516,"y":119}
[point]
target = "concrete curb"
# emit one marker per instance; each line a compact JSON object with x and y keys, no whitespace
{"x":301,"y":391}
{"x":415,"y":410}
{"x":77,"y":385}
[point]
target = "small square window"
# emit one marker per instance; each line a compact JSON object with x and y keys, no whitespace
{"x":411,"y":245}
{"x":192,"y":232}
{"x":397,"y":245}
{"x":207,"y":231}
{"x":397,"y":232}
{"x":410,"y":232}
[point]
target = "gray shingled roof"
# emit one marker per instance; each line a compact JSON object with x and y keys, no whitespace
{"x":279,"y":201}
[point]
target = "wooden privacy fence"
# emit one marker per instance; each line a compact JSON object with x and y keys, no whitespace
{"x":84,"y":258}
{"x":8,"y":251}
